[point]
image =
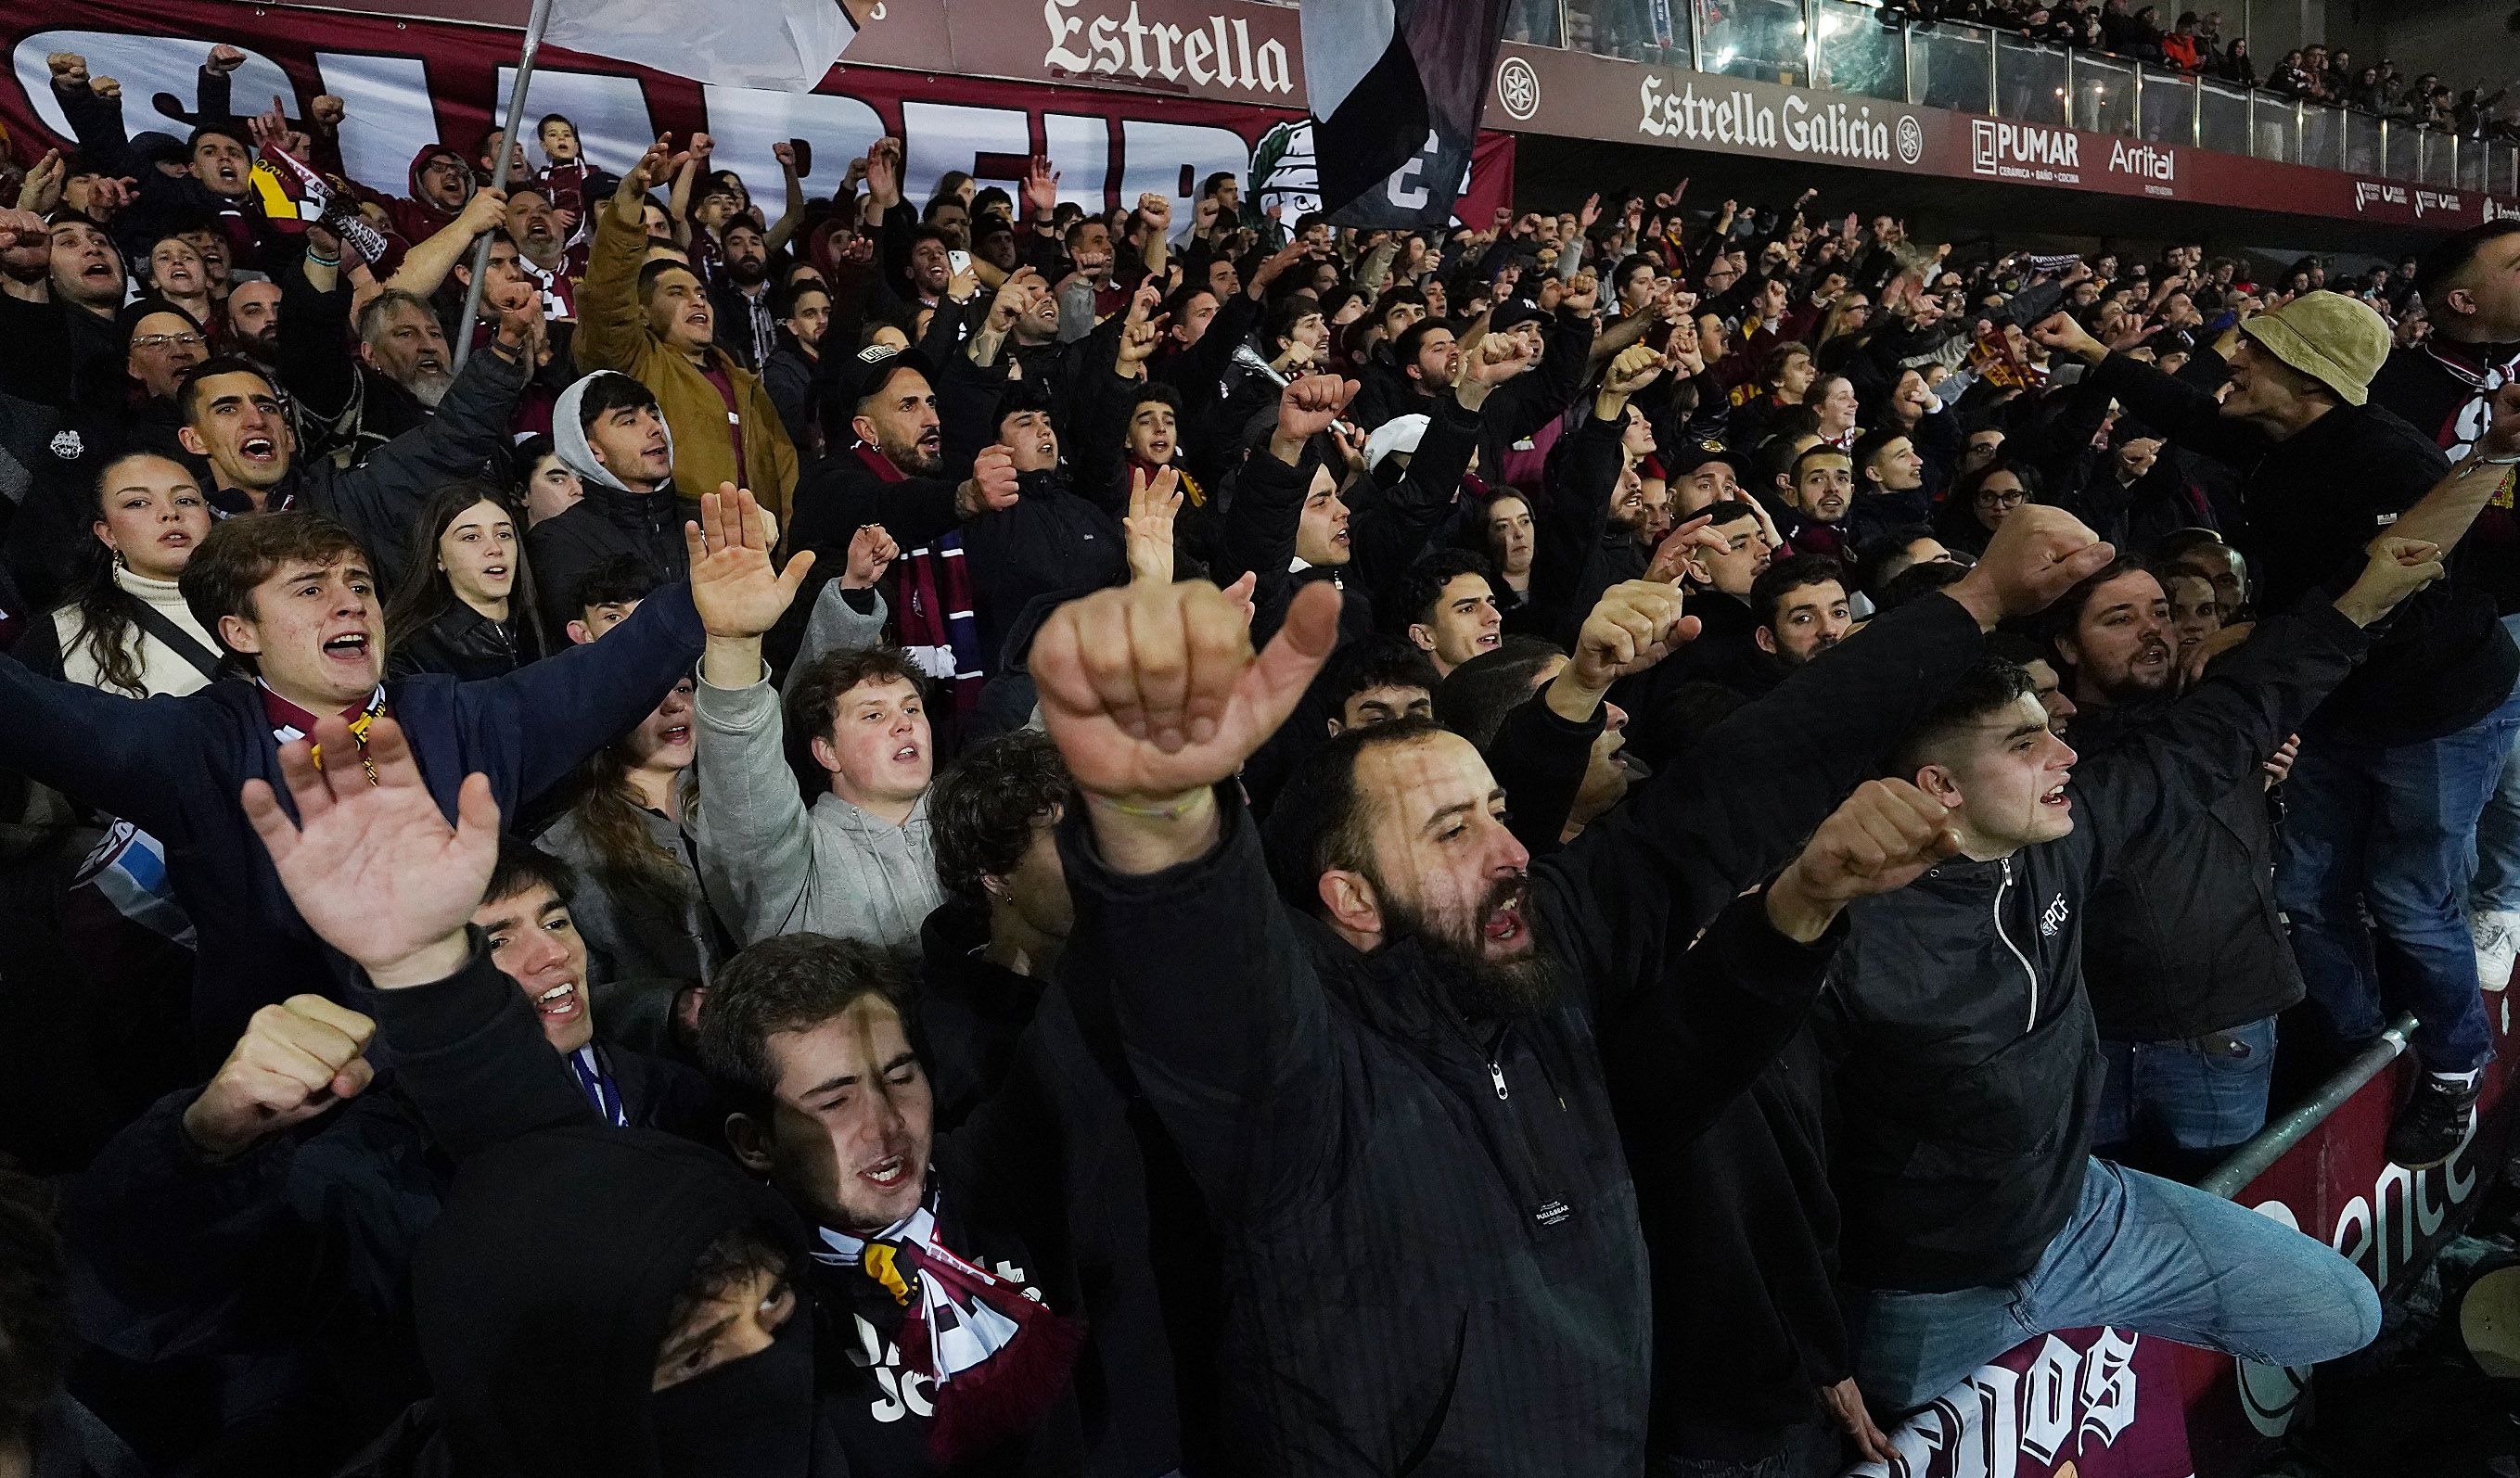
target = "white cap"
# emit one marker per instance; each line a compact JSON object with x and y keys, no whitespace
{"x":1401,"y":434}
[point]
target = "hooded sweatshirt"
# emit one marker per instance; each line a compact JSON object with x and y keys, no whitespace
{"x":416,"y":217}
{"x":545,"y":1288}
{"x":608,"y":523}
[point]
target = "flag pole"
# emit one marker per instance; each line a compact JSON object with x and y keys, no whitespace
{"x":535,"y":25}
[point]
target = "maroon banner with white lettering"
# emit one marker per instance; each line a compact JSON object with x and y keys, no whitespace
{"x":2075,"y":1404}
{"x":410,"y":82}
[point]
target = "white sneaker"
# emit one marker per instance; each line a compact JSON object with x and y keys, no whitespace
{"x":2498,"y":944}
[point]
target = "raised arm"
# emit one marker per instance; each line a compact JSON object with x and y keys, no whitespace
{"x":611,"y":326}
{"x":1676,"y":1054}
{"x":134,"y":758}
{"x":2444,"y":516}
{"x":381,"y":497}
{"x":424,"y":267}
{"x":1666,"y":861}
{"x":2218,"y":733}
{"x":1155,"y":699}
{"x":2182,"y":412}
{"x":379,"y":876}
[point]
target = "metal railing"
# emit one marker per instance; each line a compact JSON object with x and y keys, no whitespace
{"x":2246,"y":1163}
{"x":1845,"y":46}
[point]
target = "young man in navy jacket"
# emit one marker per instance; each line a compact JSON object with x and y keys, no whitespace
{"x":293,"y":600}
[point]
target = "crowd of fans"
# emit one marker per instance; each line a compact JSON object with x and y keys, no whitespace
{"x":986,"y":835}
{"x":2196,"y":42}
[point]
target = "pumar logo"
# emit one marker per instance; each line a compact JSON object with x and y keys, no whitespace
{"x":1517,"y":89}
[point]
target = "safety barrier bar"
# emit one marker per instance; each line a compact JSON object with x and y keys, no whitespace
{"x":2246,"y":1163}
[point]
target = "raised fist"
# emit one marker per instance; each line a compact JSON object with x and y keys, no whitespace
{"x":992,"y":486}
{"x":223,"y":61}
{"x":296,"y":1060}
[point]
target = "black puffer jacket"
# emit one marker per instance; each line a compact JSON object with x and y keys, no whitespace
{"x":598,"y":528}
{"x":2185,"y":937}
{"x":1967,"y":1068}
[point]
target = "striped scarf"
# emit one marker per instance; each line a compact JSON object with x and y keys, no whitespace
{"x":938,"y":626}
{"x":998,"y":1354}
{"x":291,"y":723}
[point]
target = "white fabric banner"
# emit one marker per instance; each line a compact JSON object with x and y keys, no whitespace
{"x":785,"y":45}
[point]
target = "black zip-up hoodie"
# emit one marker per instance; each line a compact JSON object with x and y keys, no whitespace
{"x":1968,"y":1062}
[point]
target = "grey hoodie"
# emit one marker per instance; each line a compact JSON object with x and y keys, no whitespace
{"x":608,"y":523}
{"x":569,"y":436}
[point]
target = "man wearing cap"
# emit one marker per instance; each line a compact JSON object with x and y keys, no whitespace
{"x":2394,"y":769}
{"x":891,"y":468}
{"x":2470,"y":287}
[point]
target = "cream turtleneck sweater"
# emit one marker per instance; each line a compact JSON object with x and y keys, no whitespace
{"x":161,"y":669}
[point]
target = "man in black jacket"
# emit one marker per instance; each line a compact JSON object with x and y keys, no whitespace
{"x":609,"y":430}
{"x":2187,"y":957}
{"x":1341,"y":1080}
{"x":2445,"y":386}
{"x":247,"y":1213}
{"x":2418,"y":737}
{"x":1967,"y":1064}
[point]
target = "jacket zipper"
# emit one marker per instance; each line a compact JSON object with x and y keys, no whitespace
{"x":2016,"y":949}
{"x":1495,"y":1075}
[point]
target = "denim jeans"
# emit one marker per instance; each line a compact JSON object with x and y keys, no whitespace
{"x":2191,"y":1096}
{"x":2392,"y":830}
{"x":2497,"y":888}
{"x":2143,"y":1254}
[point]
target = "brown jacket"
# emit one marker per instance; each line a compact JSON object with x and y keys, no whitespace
{"x":612,"y":333}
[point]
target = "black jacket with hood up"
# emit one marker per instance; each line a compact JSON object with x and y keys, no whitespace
{"x":1968,"y":1066}
{"x":305,"y":1239}
{"x":544,"y":1291}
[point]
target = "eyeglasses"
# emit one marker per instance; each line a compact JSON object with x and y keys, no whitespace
{"x":168,"y":341}
{"x":2012,"y":499}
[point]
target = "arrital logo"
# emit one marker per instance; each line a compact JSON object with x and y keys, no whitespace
{"x":2151,"y":161}
{"x":2017,"y":148}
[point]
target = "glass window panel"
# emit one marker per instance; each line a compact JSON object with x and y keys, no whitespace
{"x":1950,"y":63}
{"x":2362,"y":143}
{"x":2104,"y":94}
{"x":2169,"y":106}
{"x":1535,"y":21}
{"x":2273,"y":118}
{"x":1757,"y":38}
{"x":1860,"y":55}
{"x":2226,"y":119}
{"x":2029,"y":80}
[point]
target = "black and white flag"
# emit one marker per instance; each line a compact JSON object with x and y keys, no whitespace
{"x":1396,"y":87}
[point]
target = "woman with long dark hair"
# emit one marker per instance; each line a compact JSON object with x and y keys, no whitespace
{"x":639,"y":902}
{"x":469,"y":606}
{"x":125,"y":627}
